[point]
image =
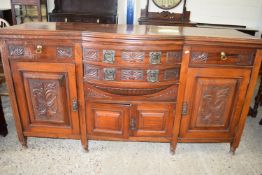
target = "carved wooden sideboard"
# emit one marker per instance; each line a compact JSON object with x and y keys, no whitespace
{"x":129,"y":83}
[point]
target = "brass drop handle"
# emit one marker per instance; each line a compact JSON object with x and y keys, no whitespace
{"x":39,"y":49}
{"x":223,"y":56}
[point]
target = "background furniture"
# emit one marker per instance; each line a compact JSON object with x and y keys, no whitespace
{"x":7,"y":15}
{"x":3,"y":125}
{"x":130,"y":83}
{"x":165,"y":17}
{"x":88,"y":11}
{"x":23,"y":14}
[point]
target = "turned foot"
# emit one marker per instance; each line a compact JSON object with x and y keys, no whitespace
{"x":232,"y":150}
{"x":85,"y":147}
{"x":23,"y":142}
{"x":172,"y":151}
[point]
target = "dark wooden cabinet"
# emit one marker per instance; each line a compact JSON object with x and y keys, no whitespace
{"x":129,"y":83}
{"x":47,"y":93}
{"x":87,"y":11}
{"x":213,"y":98}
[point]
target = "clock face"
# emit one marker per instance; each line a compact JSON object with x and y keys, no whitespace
{"x":167,"y":4}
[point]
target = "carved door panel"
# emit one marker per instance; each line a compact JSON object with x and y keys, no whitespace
{"x":214,"y":99}
{"x":46,"y":94}
{"x":152,"y":120}
{"x":108,"y":119}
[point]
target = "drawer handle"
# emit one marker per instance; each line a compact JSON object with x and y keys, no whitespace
{"x":39,"y":49}
{"x":223,"y":56}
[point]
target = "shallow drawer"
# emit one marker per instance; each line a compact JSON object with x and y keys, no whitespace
{"x":40,"y":50}
{"x":132,"y":55}
{"x":222,"y":56}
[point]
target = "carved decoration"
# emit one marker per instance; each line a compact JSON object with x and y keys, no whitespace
{"x":152,"y":75}
{"x":133,"y":57}
{"x":168,"y":94}
{"x":91,"y":54}
{"x":199,"y":57}
{"x":92,"y":93}
{"x":45,"y":96}
{"x":129,"y":91}
{"x":64,"y":52}
{"x":172,"y":74}
{"x":132,"y":75}
{"x":109,"y":56}
{"x":155,"y":57}
{"x":213,"y":104}
{"x":91,"y":72}
{"x":173,"y":57}
{"x":109,"y":74}
{"x":15,"y":50}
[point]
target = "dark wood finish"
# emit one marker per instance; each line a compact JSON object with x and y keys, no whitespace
{"x":130,"y":83}
{"x":36,"y":3}
{"x":3,"y":125}
{"x":88,"y":11}
{"x":7,"y":15}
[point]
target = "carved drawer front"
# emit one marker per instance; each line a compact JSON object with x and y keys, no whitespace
{"x":34,"y":50}
{"x":137,"y":56}
{"x":130,"y":74}
{"x":47,"y":98}
{"x":107,"y":120}
{"x":152,"y":120}
{"x":214,"y":100}
{"x":222,"y":56}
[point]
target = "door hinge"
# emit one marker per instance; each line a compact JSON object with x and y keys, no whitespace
{"x":184,"y":109}
{"x":75,"y":105}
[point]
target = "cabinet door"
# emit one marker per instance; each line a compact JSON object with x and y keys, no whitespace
{"x":46,"y":95}
{"x":214,"y":98}
{"x":109,"y":120}
{"x":152,"y":120}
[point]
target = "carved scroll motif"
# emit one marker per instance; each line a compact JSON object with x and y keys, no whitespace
{"x":133,"y":57}
{"x":15,"y":50}
{"x":173,"y":57}
{"x":132,"y":75}
{"x":91,"y":72}
{"x":199,"y":57}
{"x":172,"y":74}
{"x":64,"y":52}
{"x":214,"y":101}
{"x":45,"y":94}
{"x":92,"y":93}
{"x":91,"y":54}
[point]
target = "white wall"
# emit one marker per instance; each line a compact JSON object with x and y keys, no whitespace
{"x":238,"y":12}
{"x":5,"y":4}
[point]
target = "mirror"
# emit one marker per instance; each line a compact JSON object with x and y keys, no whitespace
{"x":167,"y":4}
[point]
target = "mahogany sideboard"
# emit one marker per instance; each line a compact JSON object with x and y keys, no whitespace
{"x":130,"y":83}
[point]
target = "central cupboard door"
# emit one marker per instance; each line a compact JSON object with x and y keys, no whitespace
{"x":152,"y":120}
{"x":47,"y":98}
{"x":214,"y":99}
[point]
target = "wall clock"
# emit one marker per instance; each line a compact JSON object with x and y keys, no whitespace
{"x":167,"y":4}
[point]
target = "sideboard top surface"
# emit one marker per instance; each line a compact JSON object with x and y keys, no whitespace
{"x":127,"y":31}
